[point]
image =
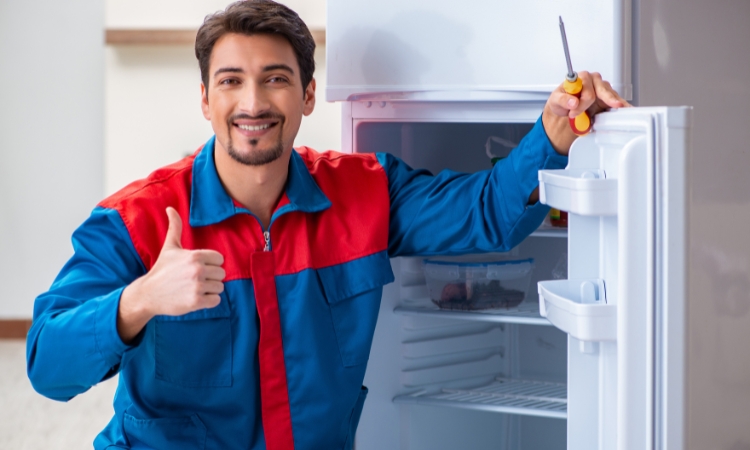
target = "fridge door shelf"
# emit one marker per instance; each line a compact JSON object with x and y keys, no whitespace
{"x":579,"y":308}
{"x":523,"y":397}
{"x":520,"y":315}
{"x":586,"y":192}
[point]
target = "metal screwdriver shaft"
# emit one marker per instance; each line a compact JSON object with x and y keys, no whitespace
{"x":573,"y":85}
{"x":571,"y":74}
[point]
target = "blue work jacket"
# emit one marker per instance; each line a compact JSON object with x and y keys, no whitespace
{"x":279,"y":363}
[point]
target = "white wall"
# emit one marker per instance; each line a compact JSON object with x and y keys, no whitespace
{"x":51,"y":92}
{"x":153,"y":114}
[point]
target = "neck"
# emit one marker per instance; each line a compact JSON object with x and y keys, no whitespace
{"x":257,"y":188}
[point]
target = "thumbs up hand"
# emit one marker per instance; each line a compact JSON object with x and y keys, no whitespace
{"x":181,"y":281}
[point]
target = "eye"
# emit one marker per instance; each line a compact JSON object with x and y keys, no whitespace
{"x":277,"y":80}
{"x":229,"y":81}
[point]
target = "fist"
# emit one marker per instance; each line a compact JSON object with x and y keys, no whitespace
{"x":597,"y":95}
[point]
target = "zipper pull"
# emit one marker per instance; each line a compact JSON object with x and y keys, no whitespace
{"x":267,"y":237}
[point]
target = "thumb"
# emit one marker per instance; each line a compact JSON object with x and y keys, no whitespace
{"x":174,"y":232}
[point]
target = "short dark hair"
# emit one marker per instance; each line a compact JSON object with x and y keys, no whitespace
{"x":251,"y":17}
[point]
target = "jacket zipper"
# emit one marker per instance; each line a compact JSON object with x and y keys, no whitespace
{"x":267,"y":238}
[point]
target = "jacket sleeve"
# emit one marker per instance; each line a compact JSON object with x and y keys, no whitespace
{"x":454,"y":213}
{"x":73,"y":342}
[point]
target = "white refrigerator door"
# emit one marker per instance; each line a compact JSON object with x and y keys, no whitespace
{"x":470,"y":50}
{"x":623,"y":304}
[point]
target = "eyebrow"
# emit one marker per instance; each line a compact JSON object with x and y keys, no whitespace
{"x":228,"y":69}
{"x":273,"y":67}
{"x":268,"y":68}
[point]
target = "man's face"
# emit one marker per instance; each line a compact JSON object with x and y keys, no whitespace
{"x":255,"y":99}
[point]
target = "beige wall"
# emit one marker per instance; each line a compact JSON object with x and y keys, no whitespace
{"x":190,"y":13}
{"x":66,"y":97}
{"x":152,"y":93}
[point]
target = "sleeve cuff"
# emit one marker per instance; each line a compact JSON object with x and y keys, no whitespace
{"x":108,"y":342}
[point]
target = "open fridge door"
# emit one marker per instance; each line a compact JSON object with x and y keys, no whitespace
{"x":623,"y":302}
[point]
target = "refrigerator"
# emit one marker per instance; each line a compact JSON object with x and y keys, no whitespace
{"x":632,"y":331}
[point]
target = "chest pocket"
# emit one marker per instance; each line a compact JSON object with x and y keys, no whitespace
{"x":195,"y":349}
{"x":353,"y":292}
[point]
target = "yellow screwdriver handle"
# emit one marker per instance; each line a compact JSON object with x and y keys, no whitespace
{"x":581,"y":125}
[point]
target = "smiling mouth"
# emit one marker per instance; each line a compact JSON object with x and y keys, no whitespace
{"x":255,"y":128}
{"x":258,"y":126}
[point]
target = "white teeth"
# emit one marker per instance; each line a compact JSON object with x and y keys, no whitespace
{"x":252,"y":128}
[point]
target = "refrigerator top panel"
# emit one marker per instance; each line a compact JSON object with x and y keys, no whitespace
{"x":475,"y":50}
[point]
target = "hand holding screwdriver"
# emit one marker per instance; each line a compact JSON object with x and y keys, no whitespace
{"x":595,"y":95}
{"x":580,"y":124}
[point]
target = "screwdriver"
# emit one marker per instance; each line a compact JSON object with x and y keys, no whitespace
{"x":573,"y":85}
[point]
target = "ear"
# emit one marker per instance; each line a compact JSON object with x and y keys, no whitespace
{"x":204,"y":102}
{"x":309,"y":98}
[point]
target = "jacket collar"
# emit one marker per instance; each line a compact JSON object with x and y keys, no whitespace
{"x":210,"y":203}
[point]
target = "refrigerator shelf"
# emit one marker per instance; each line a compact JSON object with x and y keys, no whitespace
{"x":553,"y":232}
{"x":523,"y":397}
{"x":579,"y":191}
{"x":520,"y":316}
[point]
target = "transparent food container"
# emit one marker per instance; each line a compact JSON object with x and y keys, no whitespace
{"x":474,"y":283}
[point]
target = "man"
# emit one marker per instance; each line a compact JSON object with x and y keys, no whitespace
{"x":236,"y":291}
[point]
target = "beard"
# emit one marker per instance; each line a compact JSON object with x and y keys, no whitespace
{"x":257,"y":157}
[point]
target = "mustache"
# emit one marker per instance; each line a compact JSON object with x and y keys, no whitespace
{"x":264,"y":116}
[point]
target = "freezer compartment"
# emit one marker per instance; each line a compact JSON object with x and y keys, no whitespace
{"x":476,"y":50}
{"x":579,"y":308}
{"x":502,"y":395}
{"x":587,"y":192}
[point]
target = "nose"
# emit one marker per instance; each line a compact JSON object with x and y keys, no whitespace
{"x":255,"y":100}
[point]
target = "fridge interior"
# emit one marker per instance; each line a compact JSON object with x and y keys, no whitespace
{"x":487,"y":379}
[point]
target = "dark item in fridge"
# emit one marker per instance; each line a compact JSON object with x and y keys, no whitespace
{"x":477,"y":296}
